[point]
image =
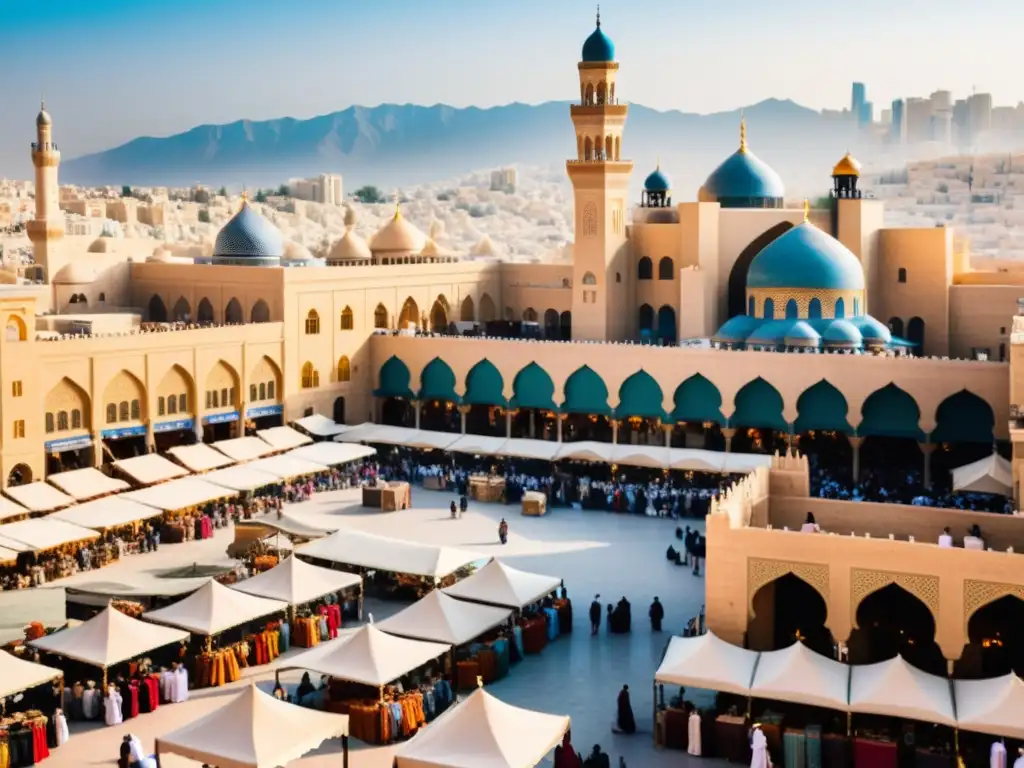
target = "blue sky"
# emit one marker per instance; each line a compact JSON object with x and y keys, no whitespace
{"x":113,"y":69}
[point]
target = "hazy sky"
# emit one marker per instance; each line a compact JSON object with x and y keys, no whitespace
{"x":112,"y":70}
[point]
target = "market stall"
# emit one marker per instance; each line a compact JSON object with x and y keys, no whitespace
{"x":254,"y":730}
{"x":241,"y":477}
{"x":283,"y":438}
{"x":387,"y":496}
{"x":897,"y":689}
{"x":249,"y":532}
{"x":332,"y":454}
{"x":356,"y":432}
{"x":707,"y":662}
{"x":799,"y":675}
{"x":39,"y":497}
{"x":994,"y":706}
{"x":41,"y":534}
{"x":17,"y":675}
{"x":88,"y":483}
{"x":199,"y":457}
{"x":10,"y":510}
{"x":31,"y":720}
{"x":524,"y":448}
{"x":992,"y":474}
{"x":650,"y":456}
{"x":107,"y":513}
{"x":244,"y":448}
{"x":478,"y":445}
{"x":182,"y":500}
{"x":384,"y":434}
{"x":285,"y":466}
{"x":489,"y":489}
{"x":484,"y":731}
{"x":585,"y":450}
{"x":149,"y":469}
{"x":318,"y":425}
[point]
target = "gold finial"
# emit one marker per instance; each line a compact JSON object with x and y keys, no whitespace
{"x":807,"y":210}
{"x":398,"y":206}
{"x":743,"y":132}
{"x":245,"y":199}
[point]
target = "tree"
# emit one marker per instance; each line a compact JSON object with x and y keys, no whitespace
{"x":223,"y":191}
{"x":126,"y":191}
{"x":284,"y":191}
{"x":369,"y":194}
{"x":261,"y":196}
{"x":204,"y":215}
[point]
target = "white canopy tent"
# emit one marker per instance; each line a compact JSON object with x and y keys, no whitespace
{"x":354,"y":433}
{"x":18,"y":675}
{"x":321,"y":426}
{"x":707,"y":662}
{"x":428,"y":440}
{"x":478,"y":445}
{"x":523,"y":448}
{"x":8,"y":555}
{"x":285,"y":466}
{"x":992,"y":474}
{"x":484,"y":732}
{"x":294,"y":582}
{"x":500,"y":584}
{"x":150,"y":468}
{"x":585,"y":450}
{"x":283,"y":438}
{"x":332,"y":454}
{"x":696,"y":460}
{"x":652,"y":456}
{"x":377,"y":433}
{"x":108,"y":512}
{"x":9,"y":509}
{"x":994,"y":706}
{"x":108,"y":638}
{"x":286,"y":524}
{"x":182,"y":493}
{"x":367,"y":656}
{"x":253,"y":730}
{"x":45,"y":533}
{"x":365,"y":550}
{"x":88,"y":483}
{"x":200,"y":457}
{"x":798,"y":674}
{"x":10,"y":545}
{"x":241,"y":477}
{"x":244,"y":448}
{"x":39,"y":497}
{"x":444,"y":619}
{"x":214,"y":608}
{"x":896,"y":689}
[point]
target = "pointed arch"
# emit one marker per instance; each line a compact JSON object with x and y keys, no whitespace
{"x":640,"y":395}
{"x":156,"y":311}
{"x":814,"y":309}
{"x":565,"y":325}
{"x":759,"y":405}
{"x":533,"y":388}
{"x":529,"y":315}
{"x":380,"y":316}
{"x":347,"y":322}
{"x":410,"y":314}
{"x":896,"y":327}
{"x":488,"y":310}
{"x":439,"y":314}
{"x":840,"y":310}
{"x":260,"y":312}
{"x":484,"y":385}
{"x":437,"y":381}
{"x":822,"y":406}
{"x":233,"y":313}
{"x":586,"y":392}
{"x":899,"y":621}
{"x":467,"y":313}
{"x":964,"y":418}
{"x":344,"y":369}
{"x":176,"y":385}
{"x":68,"y":396}
{"x":204,"y":312}
{"x":221,"y":386}
{"x":769,"y":309}
{"x":182,"y":310}
{"x":890,"y":412}
{"x":786,"y":609}
{"x":128,"y":391}
{"x":738,"y":274}
{"x":792,"y":311}
{"x":265,"y":375}
{"x":551,"y":324}
{"x":697,"y":400}
{"x":310,"y":376}
{"x":394,"y":380}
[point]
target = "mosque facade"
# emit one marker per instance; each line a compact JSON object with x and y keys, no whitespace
{"x":674,"y":321}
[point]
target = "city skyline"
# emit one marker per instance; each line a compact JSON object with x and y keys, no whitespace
{"x":157,"y":71}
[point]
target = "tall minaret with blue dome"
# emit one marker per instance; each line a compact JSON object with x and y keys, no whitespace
{"x":600,"y":180}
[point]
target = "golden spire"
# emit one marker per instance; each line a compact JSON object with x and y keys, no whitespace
{"x":807,"y":210}
{"x":245,"y":199}
{"x":398,"y":206}
{"x":743,"y":132}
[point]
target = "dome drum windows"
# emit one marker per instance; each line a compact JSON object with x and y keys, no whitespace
{"x":803,"y":304}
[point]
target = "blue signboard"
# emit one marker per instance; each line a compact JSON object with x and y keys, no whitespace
{"x":116,"y":434}
{"x":265,"y":410}
{"x":174,"y":426}
{"x":68,"y":444}
{"x":220,"y":418}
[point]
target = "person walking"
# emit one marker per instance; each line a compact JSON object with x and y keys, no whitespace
{"x":502,"y":530}
{"x":656,"y":614}
{"x":463,"y":505}
{"x":454,"y":510}
{"x":595,"y":615}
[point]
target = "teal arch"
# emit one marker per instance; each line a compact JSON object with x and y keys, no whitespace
{"x":697,"y":400}
{"x":840,"y":308}
{"x":585,"y":392}
{"x":822,"y":406}
{"x":769,"y":309}
{"x":964,"y":418}
{"x":792,"y":311}
{"x":394,"y":380}
{"x":890,"y":412}
{"x":484,"y":385}
{"x":437,"y":381}
{"x":759,"y":404}
{"x":533,"y":388}
{"x":814,"y":309}
{"x":640,"y":395}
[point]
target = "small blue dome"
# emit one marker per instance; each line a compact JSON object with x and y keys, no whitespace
{"x":736,"y":329}
{"x":806,"y":257}
{"x":772,"y":332}
{"x":743,"y":176}
{"x":802,"y":334}
{"x":248,"y":235}
{"x":598,"y":47}
{"x":843,"y":333}
{"x":657,"y":182}
{"x":874,"y":331}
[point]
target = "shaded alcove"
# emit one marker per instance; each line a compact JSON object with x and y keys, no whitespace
{"x":995,"y":644}
{"x":891,"y":621}
{"x":788,"y":610}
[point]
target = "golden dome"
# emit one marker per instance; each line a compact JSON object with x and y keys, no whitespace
{"x":296,"y":251}
{"x":350,"y":247}
{"x":350,"y":216}
{"x":101,"y":245}
{"x":398,"y":236}
{"x":848,"y":166}
{"x":75,"y":273}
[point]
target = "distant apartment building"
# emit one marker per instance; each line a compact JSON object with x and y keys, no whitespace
{"x":504,"y":180}
{"x":325,"y":188}
{"x":919,"y":120}
{"x":123,"y":210}
{"x":979,"y":107}
{"x":898,"y":127}
{"x":90,"y":209}
{"x":76,"y":225}
{"x":153,"y":215}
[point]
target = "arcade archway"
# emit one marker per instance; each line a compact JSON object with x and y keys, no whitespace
{"x":639,"y":412}
{"x":698,"y":415}
{"x":533,"y":404}
{"x":891,"y":450}
{"x":586,"y":403}
{"x":760,"y":426}
{"x":821,"y":430}
{"x":893,"y":621}
{"x":995,"y":641}
{"x":484,"y":402}
{"x":964,"y":432}
{"x":789,"y":610}
{"x":438,"y":399}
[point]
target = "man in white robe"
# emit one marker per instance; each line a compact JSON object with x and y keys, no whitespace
{"x":997,"y":755}
{"x":693,"y":734}
{"x":1019,"y":762}
{"x":112,"y":706}
{"x":180,"y":685}
{"x":759,"y":757}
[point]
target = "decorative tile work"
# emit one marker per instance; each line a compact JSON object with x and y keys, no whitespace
{"x":761,"y":572}
{"x":864,"y":583}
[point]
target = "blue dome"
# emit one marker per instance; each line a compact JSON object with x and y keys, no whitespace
{"x":874,"y":331}
{"x":772,"y":332}
{"x":598,"y":47}
{"x":736,"y":329}
{"x":843,"y":333}
{"x":743,"y":176}
{"x":657,"y":182}
{"x":802,"y":334}
{"x":806,"y":257}
{"x":248,"y":235}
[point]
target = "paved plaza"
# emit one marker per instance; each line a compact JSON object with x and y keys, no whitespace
{"x":577,"y":675}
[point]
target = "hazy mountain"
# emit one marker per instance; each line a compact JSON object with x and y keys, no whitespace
{"x":391,"y":145}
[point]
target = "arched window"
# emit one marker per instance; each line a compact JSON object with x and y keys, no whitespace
{"x":103,"y":296}
{"x":646,"y":317}
{"x":136,"y":410}
{"x":312,"y":323}
{"x":213,"y":399}
{"x":62,"y":421}
{"x":252,"y":393}
{"x":263,"y":391}
{"x":644,"y":269}
{"x":792,"y":311}
{"x":310,"y":377}
{"x":344,"y":369}
{"x":346,"y":319}
{"x":840,"y":308}
{"x":902,"y":275}
{"x":161,"y":406}
{"x":666,"y":268}
{"x":751,"y":309}
{"x":769,"y":309}
{"x":589,"y":279}
{"x":111,"y":413}
{"x":49,"y":423}
{"x":380,"y":317}
{"x":814,"y":309}
{"x":123,"y":411}
{"x":76,"y":419}
{"x":224,"y":400}
{"x":172,"y":404}
{"x":271,"y":386}
{"x":182,"y":403}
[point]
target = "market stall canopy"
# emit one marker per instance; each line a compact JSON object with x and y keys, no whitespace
{"x":707,"y":662}
{"x":696,"y":460}
{"x":444,"y":619}
{"x":484,"y":732}
{"x":585,"y":450}
{"x":18,"y":675}
{"x":8,"y":556}
{"x":39,"y":497}
{"x":354,"y":434}
{"x":12,"y":545}
{"x":285,"y":466}
{"x":87,"y":483}
{"x":244,"y":448}
{"x":214,"y":608}
{"x":543,"y":450}
{"x":332,"y":454}
{"x":367,"y":656}
{"x":283,"y":438}
{"x":20,"y":607}
{"x":378,"y":433}
{"x":798,"y":674}
{"x":10,"y":510}
{"x":253,"y":730}
{"x":143,"y":585}
{"x":896,"y":689}
{"x":500,"y":584}
{"x":150,"y":468}
{"x":994,"y":706}
{"x":321,"y":426}
{"x":46,"y":533}
{"x":428,"y":440}
{"x":365,"y":550}
{"x":178,"y":494}
{"x":269,"y":529}
{"x":241,"y":477}
{"x":108,"y":638}
{"x":295,"y":582}
{"x":200,"y":457}
{"x":478,"y":445}
{"x":652,"y":456}
{"x":992,"y":474}
{"x":108,"y":512}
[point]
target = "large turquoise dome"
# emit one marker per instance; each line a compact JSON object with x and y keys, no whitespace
{"x":806,"y":257}
{"x":744,"y":181}
{"x":248,"y":238}
{"x":598,"y":48}
{"x":657,"y":182}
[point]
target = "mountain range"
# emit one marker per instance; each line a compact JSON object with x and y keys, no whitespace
{"x":403,"y":144}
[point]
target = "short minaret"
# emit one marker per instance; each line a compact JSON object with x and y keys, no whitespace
{"x":600,"y":180}
{"x":47,"y":228}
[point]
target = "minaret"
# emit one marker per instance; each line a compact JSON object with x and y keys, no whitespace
{"x":600,"y":180}
{"x":47,"y":228}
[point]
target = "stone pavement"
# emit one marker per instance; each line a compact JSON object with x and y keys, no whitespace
{"x":577,"y":675}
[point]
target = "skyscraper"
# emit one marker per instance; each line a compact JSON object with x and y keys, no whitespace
{"x":898,"y":131}
{"x":858,"y":99}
